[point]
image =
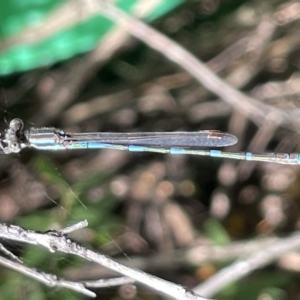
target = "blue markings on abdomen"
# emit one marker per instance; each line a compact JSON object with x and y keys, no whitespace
{"x":134,"y":148}
{"x":97,"y":145}
{"x":215,"y":153}
{"x":248,"y":156}
{"x":177,"y":151}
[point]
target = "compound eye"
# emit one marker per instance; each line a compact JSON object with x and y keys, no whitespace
{"x":16,"y":124}
{"x":14,"y":147}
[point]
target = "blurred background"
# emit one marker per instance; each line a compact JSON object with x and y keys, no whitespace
{"x":153,"y":212}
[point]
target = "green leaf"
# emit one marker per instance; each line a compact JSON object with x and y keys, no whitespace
{"x":216,"y":232}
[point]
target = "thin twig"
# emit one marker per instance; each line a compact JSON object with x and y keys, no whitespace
{"x":68,"y":85}
{"x":56,"y":241}
{"x":252,"y":108}
{"x":190,"y":257}
{"x":45,"y":278}
{"x":74,"y":227}
{"x":10,"y":254}
{"x":100,"y":283}
{"x":55,"y":22}
{"x":244,"y":267}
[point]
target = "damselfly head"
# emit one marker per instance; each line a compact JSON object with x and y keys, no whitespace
{"x":16,"y":125}
{"x":10,"y":139}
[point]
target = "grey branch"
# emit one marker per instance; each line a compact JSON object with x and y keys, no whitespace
{"x":244,"y":267}
{"x":47,"y":279}
{"x":58,"y":241}
{"x":247,"y":105}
